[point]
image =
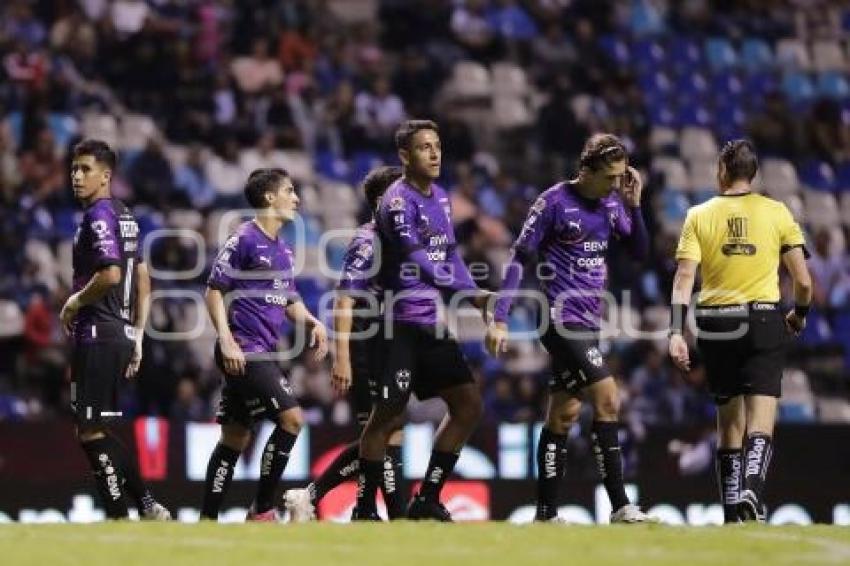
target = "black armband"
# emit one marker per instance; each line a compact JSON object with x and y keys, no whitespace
{"x":679,"y":314}
{"x":801,"y":310}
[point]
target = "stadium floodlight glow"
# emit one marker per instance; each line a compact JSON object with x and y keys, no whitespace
{"x":185,"y":335}
{"x":175,"y":274}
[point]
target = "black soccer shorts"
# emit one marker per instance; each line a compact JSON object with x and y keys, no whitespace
{"x":576,"y":359}
{"x":743,"y":349}
{"x":365,"y":372}
{"x":263,"y":391}
{"x":96,"y":370}
{"x":417,"y":360}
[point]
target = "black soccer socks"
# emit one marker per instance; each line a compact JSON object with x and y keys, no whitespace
{"x":275,"y":458}
{"x":551,"y":468}
{"x":758,"y":452}
{"x":728,"y":468}
{"x":439,"y":469}
{"x":133,"y":483}
{"x":391,"y":484}
{"x":105,"y":464}
{"x":371,"y":472}
{"x":344,"y":467}
{"x":219,"y":475}
{"x":606,"y":448}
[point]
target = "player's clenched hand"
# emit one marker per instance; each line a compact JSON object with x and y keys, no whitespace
{"x":481,"y":302}
{"x":794,"y":323}
{"x":233,"y":357}
{"x":69,"y":311}
{"x":135,"y":360}
{"x":496,"y":340}
{"x":679,"y":352}
{"x":632,"y":187}
{"x":341,"y":375}
{"x":319,"y":341}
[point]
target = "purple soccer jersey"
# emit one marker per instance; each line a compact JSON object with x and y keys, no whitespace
{"x":254,"y":272}
{"x":108,"y":235}
{"x":358,"y":264}
{"x":419,"y":255}
{"x":572,"y":234}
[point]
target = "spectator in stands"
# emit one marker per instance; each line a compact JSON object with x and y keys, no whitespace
{"x":378,"y":113}
{"x":827,"y":134}
{"x":191,"y":182}
{"x":774,"y":129}
{"x":258,"y":71}
{"x":830,"y":273}
{"x":42,"y":172}
{"x":151,"y":176}
{"x":227,"y":176}
{"x":473,"y":30}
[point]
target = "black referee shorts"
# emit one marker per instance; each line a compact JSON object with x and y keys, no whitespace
{"x":743,"y":349}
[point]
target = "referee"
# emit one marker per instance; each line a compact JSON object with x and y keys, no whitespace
{"x":738,"y":238}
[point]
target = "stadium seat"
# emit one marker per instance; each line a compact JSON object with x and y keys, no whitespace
{"x":674,"y":207}
{"x":700,"y":196}
{"x":842,"y":176}
{"x":175,"y":154}
{"x":758,"y":84}
{"x":821,"y":209}
{"x":692,"y":85}
{"x":360,"y":164}
{"x":720,"y":53}
{"x":100,"y":126}
{"x":645,"y":19}
{"x":339,"y":197}
{"x":648,"y":54}
{"x":695,"y":115}
{"x":11,"y":319}
{"x":655,"y":83}
{"x":834,"y":409}
{"x":15,"y":122}
{"x":697,"y":143}
{"x":842,"y":332}
{"x":299,"y":164}
{"x":663,"y":139}
{"x":331,"y":166}
{"x":471,"y":80}
{"x":703,"y":175}
{"x":828,"y":56}
{"x":354,"y":11}
{"x":730,"y":120}
{"x":779,"y":177}
{"x":135,"y":131}
{"x":509,"y":80}
{"x":844,"y":207}
{"x":792,"y":54}
{"x":511,"y":112}
{"x":185,"y":218}
{"x":65,"y":222}
{"x":817,"y":330}
{"x":798,"y":401}
{"x":582,"y":107}
{"x":616,"y":49}
{"x":661,"y":114}
{"x":795,"y":206}
{"x":726,"y":85}
{"x":817,"y":175}
{"x":685,"y":54}
{"x":674,"y":172}
{"x":798,"y":87}
{"x":756,"y":54}
{"x":833,"y":84}
{"x":64,"y":127}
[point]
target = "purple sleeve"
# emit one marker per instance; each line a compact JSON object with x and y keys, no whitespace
{"x":446,"y":276}
{"x":104,"y":238}
{"x":356,"y":265}
{"x":633,"y":228}
{"x":227,"y":261}
{"x":399,"y":216}
{"x":536,"y":226}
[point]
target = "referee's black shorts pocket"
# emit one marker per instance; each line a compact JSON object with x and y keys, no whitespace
{"x":767,"y":331}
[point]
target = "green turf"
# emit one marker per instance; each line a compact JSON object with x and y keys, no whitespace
{"x":401,"y":544}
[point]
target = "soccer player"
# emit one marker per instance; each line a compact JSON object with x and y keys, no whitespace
{"x":250,"y":289}
{"x":571,"y":225}
{"x":737,"y":238}
{"x":356,"y":362}
{"x":419,"y":262}
{"x":106,"y":317}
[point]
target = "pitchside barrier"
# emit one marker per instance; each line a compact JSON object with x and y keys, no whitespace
{"x":670,"y":472}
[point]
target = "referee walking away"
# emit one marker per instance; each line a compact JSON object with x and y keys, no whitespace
{"x":738,"y":238}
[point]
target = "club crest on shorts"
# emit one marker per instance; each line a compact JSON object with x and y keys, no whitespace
{"x":594,"y":356}
{"x":284,"y":384}
{"x":402,"y":379}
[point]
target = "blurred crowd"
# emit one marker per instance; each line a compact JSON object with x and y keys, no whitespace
{"x":197,"y":93}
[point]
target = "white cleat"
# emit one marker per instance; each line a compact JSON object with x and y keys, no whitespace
{"x":630,"y":514}
{"x":156,"y":513}
{"x":556,"y":520}
{"x":299,"y":505}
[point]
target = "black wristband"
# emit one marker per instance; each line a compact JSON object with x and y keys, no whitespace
{"x":801,"y":310}
{"x":679,"y":314}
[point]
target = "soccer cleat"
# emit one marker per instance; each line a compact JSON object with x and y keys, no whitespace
{"x":556,"y":520}
{"x":300,"y":505}
{"x":422,"y":509}
{"x":361,"y":515}
{"x":157,"y":512}
{"x":630,"y":514}
{"x":269,"y":516}
{"x":750,"y":508}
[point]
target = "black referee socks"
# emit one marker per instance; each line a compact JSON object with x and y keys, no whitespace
{"x":728,"y":469}
{"x":758,"y":452}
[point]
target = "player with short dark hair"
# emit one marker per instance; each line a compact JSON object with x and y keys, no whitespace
{"x":356,"y":361}
{"x":106,"y":317}
{"x":570,"y":226}
{"x":419,"y":262}
{"x":738,"y":238}
{"x":250,"y":289}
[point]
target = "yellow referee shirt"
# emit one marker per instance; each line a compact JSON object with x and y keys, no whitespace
{"x":738,"y":241}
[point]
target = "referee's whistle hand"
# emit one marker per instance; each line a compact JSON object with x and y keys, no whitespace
{"x":679,"y":352}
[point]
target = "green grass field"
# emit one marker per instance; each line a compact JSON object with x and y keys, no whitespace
{"x":484,"y":544}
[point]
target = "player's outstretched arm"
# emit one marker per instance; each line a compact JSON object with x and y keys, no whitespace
{"x":143,"y":307}
{"x":683,"y":286}
{"x":341,"y":372}
{"x":100,"y":283}
{"x":231,"y":353}
{"x":298,"y":314}
{"x":795,"y":262}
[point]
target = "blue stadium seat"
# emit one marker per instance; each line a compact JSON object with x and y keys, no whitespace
{"x":685,"y":54}
{"x":756,"y":54}
{"x":730,"y":119}
{"x":842,"y":176}
{"x":841,"y":327}
{"x":817,"y":175}
{"x":64,"y":223}
{"x":335,"y":255}
{"x":616,"y":49}
{"x":648,"y":54}
{"x":16,"y":126}
{"x":654,"y":83}
{"x":674,"y":205}
{"x":361,"y":163}
{"x":331,"y":166}
{"x":701,"y":196}
{"x":64,"y":128}
{"x":692,"y":84}
{"x":726,"y":85}
{"x":720,"y":53}
{"x":695,"y":115}
{"x":795,"y":413}
{"x":758,"y":84}
{"x":645,"y":19}
{"x":833,"y":84}
{"x":661,"y":114}
{"x":817,"y":330}
{"x":798,"y":87}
